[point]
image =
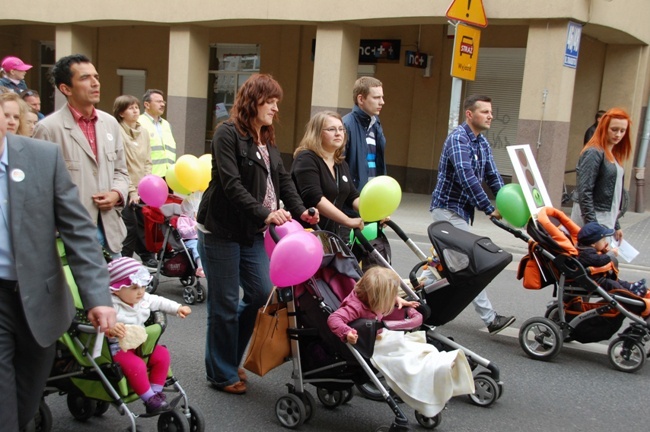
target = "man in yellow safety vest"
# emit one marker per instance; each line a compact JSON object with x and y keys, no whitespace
{"x":163,"y":145}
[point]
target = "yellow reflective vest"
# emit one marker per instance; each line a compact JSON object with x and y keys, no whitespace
{"x":163,"y":147}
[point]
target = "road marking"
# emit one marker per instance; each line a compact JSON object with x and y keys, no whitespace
{"x":588,"y":347}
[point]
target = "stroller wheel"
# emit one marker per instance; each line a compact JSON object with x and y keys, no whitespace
{"x":330,"y":398}
{"x":190,"y":294}
{"x":540,"y":338}
{"x":290,"y":411}
{"x":43,"y":418}
{"x":309,"y":402}
{"x":347,"y":395}
{"x":173,"y":420}
{"x":553,"y":313}
{"x":428,"y":422}
{"x":153,"y":285}
{"x":80,"y":406}
{"x":626,"y":355}
{"x":196,"y":420}
{"x":200,"y":293}
{"x":187,"y":280}
{"x":102,"y":407}
{"x":487,"y":391}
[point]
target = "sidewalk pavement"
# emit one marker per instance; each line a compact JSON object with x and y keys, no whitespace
{"x":413,"y":217}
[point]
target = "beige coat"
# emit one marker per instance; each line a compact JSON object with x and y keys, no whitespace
{"x":90,"y":176}
{"x":138,"y":156}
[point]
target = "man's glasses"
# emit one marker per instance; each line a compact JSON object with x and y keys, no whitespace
{"x":333,"y":130}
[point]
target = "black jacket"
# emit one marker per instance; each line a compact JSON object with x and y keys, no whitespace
{"x":231,"y":207}
{"x":596,"y":184}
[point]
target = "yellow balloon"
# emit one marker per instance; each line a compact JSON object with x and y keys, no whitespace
{"x":172,"y":181}
{"x":187,"y":172}
{"x":205,"y":171}
{"x":379,"y":198}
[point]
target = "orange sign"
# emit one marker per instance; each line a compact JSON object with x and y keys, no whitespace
{"x":465,"y":59}
{"x":468,"y":11}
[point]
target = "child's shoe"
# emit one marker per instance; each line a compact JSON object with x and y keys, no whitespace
{"x":157,"y":404}
{"x":639,"y":288}
{"x":200,"y":273}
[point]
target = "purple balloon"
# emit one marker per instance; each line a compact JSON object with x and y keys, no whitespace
{"x":295,"y":259}
{"x":281,"y":230}
{"x":153,"y":190}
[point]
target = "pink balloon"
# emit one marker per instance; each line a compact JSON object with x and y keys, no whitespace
{"x":295,"y":259}
{"x":281,"y":230}
{"x":153,"y":190}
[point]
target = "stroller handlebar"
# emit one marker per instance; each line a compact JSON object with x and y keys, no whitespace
{"x":515,"y":232}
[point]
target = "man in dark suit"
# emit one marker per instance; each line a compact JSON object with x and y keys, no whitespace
{"x":37,"y":198}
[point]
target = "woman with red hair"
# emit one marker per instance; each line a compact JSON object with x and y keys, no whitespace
{"x":600,"y":172}
{"x":242,"y":200}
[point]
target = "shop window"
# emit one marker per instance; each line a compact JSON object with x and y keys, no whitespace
{"x":133,"y":82}
{"x":230,"y":66}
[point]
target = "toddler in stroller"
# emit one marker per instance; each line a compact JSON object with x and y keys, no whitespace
{"x":128,"y":279}
{"x":163,"y":238}
{"x":187,"y":228}
{"x":593,"y":252}
{"x":423,"y":377}
{"x":85,"y":370}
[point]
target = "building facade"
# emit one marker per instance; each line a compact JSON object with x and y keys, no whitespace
{"x":198,"y":51}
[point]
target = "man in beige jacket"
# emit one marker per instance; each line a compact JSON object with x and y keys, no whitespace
{"x":92,"y":148}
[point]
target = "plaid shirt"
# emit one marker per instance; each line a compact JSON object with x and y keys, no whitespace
{"x":87,"y":126}
{"x":466,"y":161}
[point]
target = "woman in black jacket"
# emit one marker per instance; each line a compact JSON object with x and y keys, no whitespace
{"x":321,"y":174}
{"x":243,"y":198}
{"x":600,"y":171}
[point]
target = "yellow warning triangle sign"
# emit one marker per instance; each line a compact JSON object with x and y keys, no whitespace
{"x":468,"y":11}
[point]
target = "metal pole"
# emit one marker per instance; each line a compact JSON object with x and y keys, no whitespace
{"x":639,"y":170}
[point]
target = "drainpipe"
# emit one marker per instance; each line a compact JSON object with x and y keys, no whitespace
{"x":639,"y":170}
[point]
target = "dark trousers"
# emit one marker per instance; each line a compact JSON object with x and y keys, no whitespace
{"x":25,"y":364}
{"x":134,"y":241}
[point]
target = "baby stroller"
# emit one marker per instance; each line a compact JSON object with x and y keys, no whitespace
{"x":466,"y":264}
{"x":92,"y":384}
{"x":174,"y":259}
{"x":319,"y":357}
{"x":581,"y":310}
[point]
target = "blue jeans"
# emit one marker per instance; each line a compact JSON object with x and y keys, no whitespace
{"x":229,"y":265}
{"x":482,"y":304}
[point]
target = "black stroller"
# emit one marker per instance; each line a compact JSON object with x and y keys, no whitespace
{"x":466,"y":264}
{"x":319,"y":357}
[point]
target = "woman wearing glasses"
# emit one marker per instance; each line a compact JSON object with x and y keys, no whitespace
{"x":321,"y":174}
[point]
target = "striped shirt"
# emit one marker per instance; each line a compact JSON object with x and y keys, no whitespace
{"x":466,"y":161}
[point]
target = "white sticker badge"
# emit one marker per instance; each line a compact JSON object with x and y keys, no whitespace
{"x":17,"y":175}
{"x":109,"y":137}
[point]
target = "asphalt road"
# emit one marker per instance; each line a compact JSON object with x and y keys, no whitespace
{"x":578,"y":391}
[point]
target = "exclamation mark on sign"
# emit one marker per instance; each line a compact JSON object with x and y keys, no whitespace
{"x":469,"y":4}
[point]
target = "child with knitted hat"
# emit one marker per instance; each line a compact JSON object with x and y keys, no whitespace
{"x":593,"y":251}
{"x":128,"y":279}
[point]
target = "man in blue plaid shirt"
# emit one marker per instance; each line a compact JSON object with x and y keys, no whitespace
{"x":466,"y":161}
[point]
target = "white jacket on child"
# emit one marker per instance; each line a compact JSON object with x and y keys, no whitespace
{"x":139,"y":313}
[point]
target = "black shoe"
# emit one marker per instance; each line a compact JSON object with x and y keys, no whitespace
{"x":500,"y":322}
{"x":151,"y":264}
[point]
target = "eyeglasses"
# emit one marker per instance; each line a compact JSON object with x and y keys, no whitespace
{"x":333,"y":130}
